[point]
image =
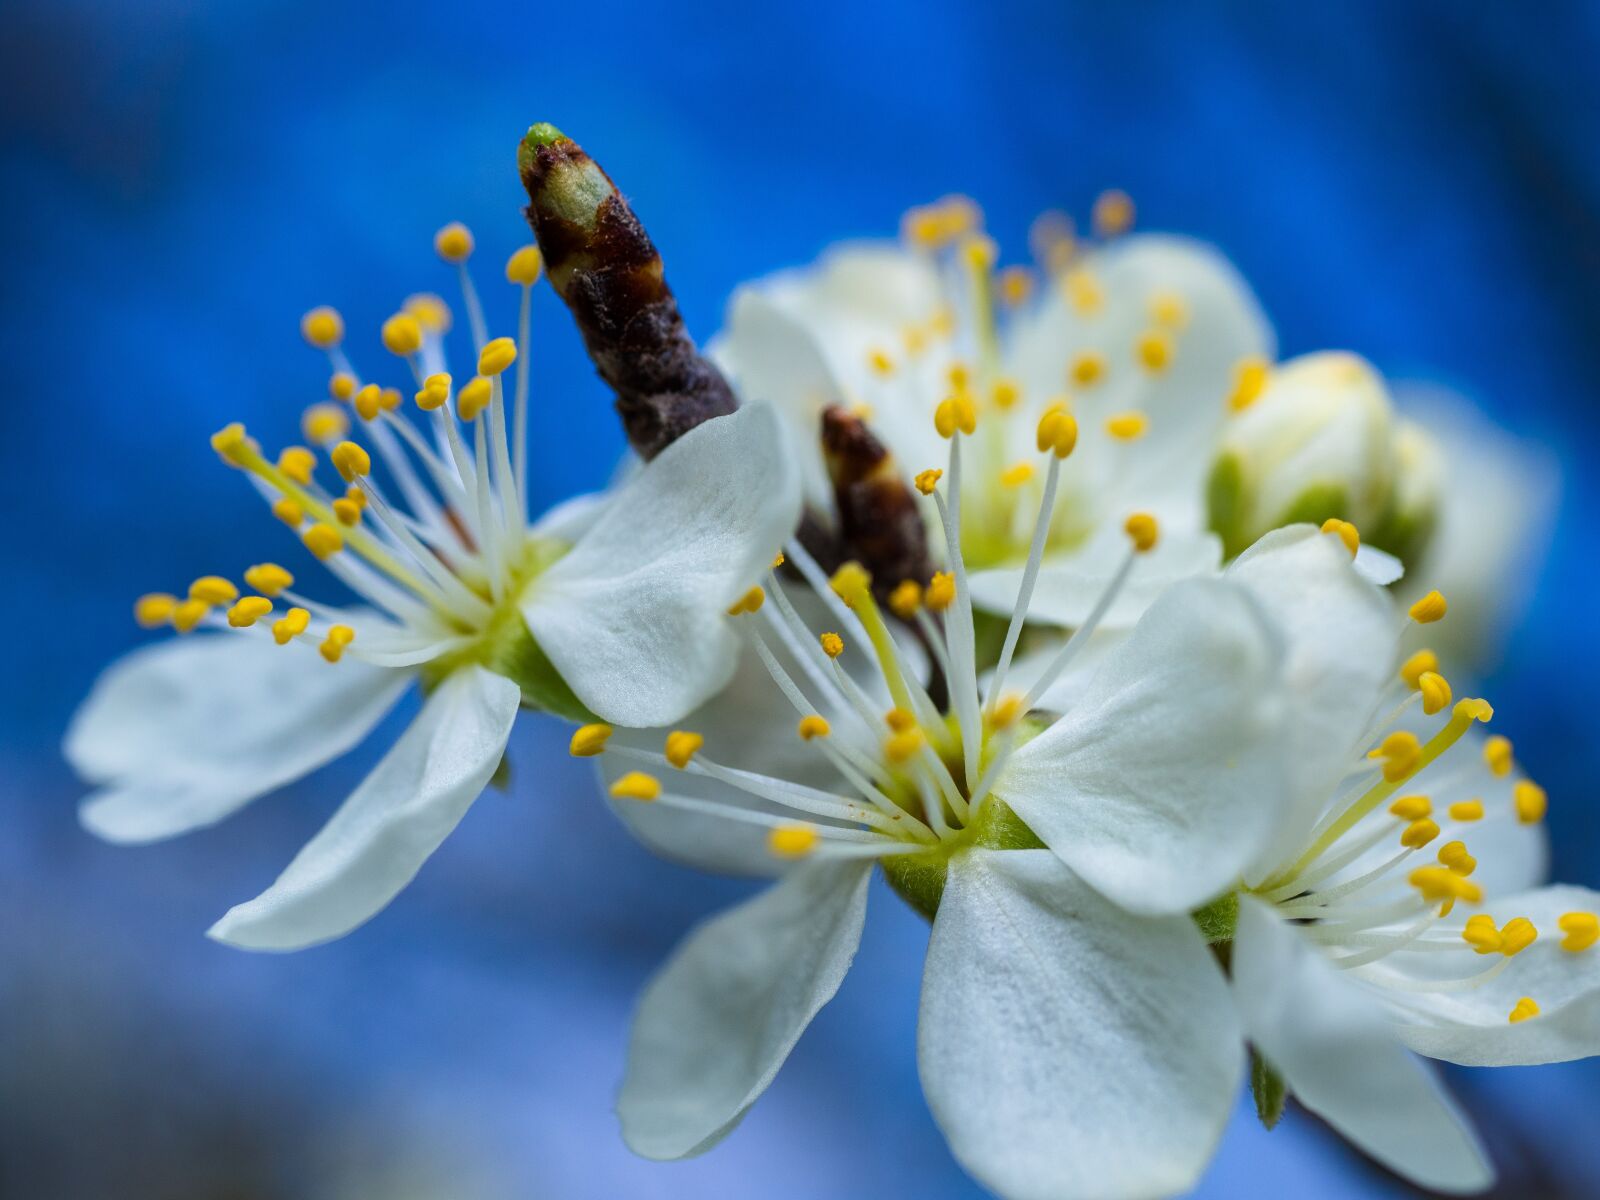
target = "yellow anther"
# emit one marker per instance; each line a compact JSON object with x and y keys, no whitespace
{"x":954,"y":413}
{"x":231,"y":442}
{"x":1057,"y":431}
{"x":351,"y":461}
{"x":813,"y":726}
{"x":915,"y":338}
{"x":323,"y":540}
{"x":979,"y":251}
{"x":189,"y":614}
{"x":681,"y":746}
{"x":248,"y":610}
{"x":1169,"y":309}
{"x":1005,"y":393}
{"x":1412,"y":669}
{"x":959,"y":376}
{"x":323,"y":327}
{"x":435,"y":391}
{"x":346,"y":511}
{"x":880,"y":362}
{"x":1016,"y":474}
{"x":333,"y":646}
{"x":290,"y":626}
{"x":899,"y":747}
{"x":1517,"y":935}
{"x":1005,"y":713}
{"x":213,"y":589}
{"x":1084,"y":292}
{"x":906,"y":599}
{"x":297,"y":463}
{"x":1429,"y":609}
{"x":927,"y":480}
{"x":832,"y":644}
{"x":778,"y":560}
{"x":1497,"y":755}
{"x":851,"y":583}
{"x":750,"y":602}
{"x":589,"y":740}
{"x":1419,"y":833}
{"x":1249,"y":381}
{"x":402,"y":334}
{"x":1127,"y":426}
{"x":1529,"y":801}
{"x":636,"y":785}
{"x":1347,"y":533}
{"x":1466,"y":811}
{"x":497,"y":356}
{"x":389,"y":399}
{"x":268,"y":578}
{"x":1152,"y":350}
{"x":1454,"y":855}
{"x":1525,"y":1009}
{"x":287,"y":511}
{"x":1143,"y":529}
{"x":341,"y":385}
{"x":1015,"y":285}
{"x":1113,"y":213}
{"x":324,"y":423}
{"x":792,"y":841}
{"x":1399,"y":752}
{"x":368,"y":402}
{"x":1435,"y":689}
{"x":154,"y":608}
{"x":1412,"y":808}
{"x":525,"y":266}
{"x":940,"y":593}
{"x":1441,"y":885}
{"x":1582,"y":930}
{"x":1481,"y":934}
{"x":453,"y":243}
{"x":1473,"y":709}
{"x":1088,"y":368}
{"x":899,"y":720}
{"x":431,"y":313}
{"x":474,"y":397}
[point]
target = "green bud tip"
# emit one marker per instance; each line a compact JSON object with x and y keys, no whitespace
{"x":541,"y":133}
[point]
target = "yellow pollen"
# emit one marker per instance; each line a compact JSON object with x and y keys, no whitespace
{"x":1015,"y":285}
{"x":906,"y":599}
{"x":1530,"y":801}
{"x":324,"y":423}
{"x":959,"y":376}
{"x":880,"y":362}
{"x":1412,"y":669}
{"x":369,"y":402}
{"x":341,"y":385}
{"x":247,"y":611}
{"x":1347,"y":533}
{"x":1113,"y":213}
{"x":389,"y":399}
{"x":474,"y":397}
{"x":431,"y":313}
{"x":323,"y":327}
{"x":979,"y":251}
{"x":287,"y":511}
{"x":1083,"y":291}
{"x":213,"y":589}
{"x":1517,"y":935}
{"x":1497,"y":754}
{"x":899,"y":720}
{"x":1419,"y":833}
{"x":1473,"y":709}
{"x":1454,"y":855}
{"x":1016,"y":475}
{"x":351,"y":461}
{"x":1429,"y":609}
{"x":1399,"y":752}
{"x":339,"y":636}
{"x":1005,"y":393}
{"x":750,"y":602}
{"x":1127,"y":426}
{"x":588,"y":740}
{"x":1169,"y":309}
{"x":636,"y":785}
{"x":1144,"y":531}
{"x":1057,"y":431}
{"x":1441,"y":885}
{"x":813,"y":726}
{"x":402,"y":334}
{"x":1481,"y":935}
{"x":297,"y":463}
{"x":231,"y":443}
{"x":899,"y":747}
{"x":941,"y":591}
{"x":323,"y":540}
{"x":496,"y":356}
{"x":1412,"y":808}
{"x":1153,"y":351}
{"x":189,"y":614}
{"x":435,"y":391}
{"x":955,"y":413}
{"x":454,"y":242}
{"x":850,"y":583}
{"x":1435,"y":689}
{"x":268,"y":578}
{"x":346,"y":511}
{"x":1582,"y":930}
{"x":1088,"y":368}
{"x":1525,"y":1009}
{"x":1006,"y":712}
{"x":154,"y":608}
{"x":777,"y":560}
{"x":832,"y":644}
{"x":792,"y":841}
{"x":1466,"y":811}
{"x":681,"y":746}
{"x":525,"y":266}
{"x":290,"y":626}
{"x":927,"y":480}
{"x":1249,"y":381}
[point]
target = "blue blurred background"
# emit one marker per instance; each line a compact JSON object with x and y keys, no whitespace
{"x":1418,"y":182}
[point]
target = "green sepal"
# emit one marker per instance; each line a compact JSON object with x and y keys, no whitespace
{"x":1404,"y":535}
{"x":1226,"y":504}
{"x":520,"y":658}
{"x":918,"y":879}
{"x":1218,"y":920}
{"x":1268,"y":1088}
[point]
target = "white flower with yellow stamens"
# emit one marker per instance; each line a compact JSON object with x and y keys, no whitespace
{"x":1143,"y":338}
{"x":613,"y":606}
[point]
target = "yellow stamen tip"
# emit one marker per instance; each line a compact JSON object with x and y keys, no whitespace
{"x":750,"y":602}
{"x":1006,"y":711}
{"x":1112,"y":213}
{"x":1400,"y":752}
{"x":851,"y":583}
{"x":1582,"y":930}
{"x":1517,"y":935}
{"x":1006,"y":394}
{"x":927,"y":480}
{"x":1249,"y":381}
{"x":1454,"y":855}
{"x":453,"y":243}
{"x":832,"y":644}
{"x":1419,"y":833}
{"x":1412,"y":808}
{"x":323,"y":327}
{"x":681,"y":746}
{"x":899,"y":720}
{"x":341,"y":385}
{"x":1529,"y":801}
{"x":813,"y":726}
{"x":1466,"y":811}
{"x":346,"y":511}
{"x":1413,"y":668}
{"x":636,"y":785}
{"x":1084,"y":292}
{"x":1015,"y":285}
{"x":589,"y":740}
{"x":1473,"y":709}
{"x":906,"y":599}
{"x":1143,"y":529}
{"x":431,"y":313}
{"x":955,"y":413}
{"x":287,"y":511}
{"x":297,"y":463}
{"x":351,"y":461}
{"x":402,"y":334}
{"x":339,"y":636}
{"x":792,"y":841}
{"x":268,"y":578}
{"x":1429,"y":609}
{"x":1087,"y":368}
{"x":1127,"y":426}
{"x":1057,"y":430}
{"x":1152,"y":350}
{"x":880,"y":362}
{"x":1347,"y":533}
{"x":324,"y":423}
{"x":213,"y":590}
{"x":899,"y":747}
{"x":940,"y":593}
{"x":1016,"y":475}
{"x":1497,"y":755}
{"x":368,"y":402}
{"x":778,"y":560}
{"x":154,"y":608}
{"x":323,"y":540}
{"x":525,"y":266}
{"x":189,"y":614}
{"x":474,"y":397}
{"x":1525,"y":1009}
{"x":231,"y":442}
{"x":290,"y":626}
{"x":248,"y":610}
{"x":1480,"y":933}
{"x":1169,"y":309}
{"x":959,"y":376}
{"x":1435,"y":689}
{"x":496,"y":356}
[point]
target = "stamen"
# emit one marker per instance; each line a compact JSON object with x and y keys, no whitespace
{"x":1348,"y":534}
{"x":1412,"y":670}
{"x":792,"y":841}
{"x":1582,"y":930}
{"x":247,"y":611}
{"x":1435,"y":690}
{"x":1530,"y":801}
{"x":1497,"y":755}
{"x":1249,"y":381}
{"x":213,"y":590}
{"x":154,"y":609}
{"x":1429,"y":609}
{"x":589,"y":740}
{"x":636,"y":785}
{"x":1127,"y":426}
{"x":333,"y":646}
{"x":323,"y":327}
{"x":290,"y":626}
{"x":681,"y":746}
{"x":1525,"y":1009}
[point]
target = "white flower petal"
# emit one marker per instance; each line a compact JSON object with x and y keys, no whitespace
{"x":1165,"y":780}
{"x":1334,"y":1049}
{"x":1070,"y":685}
{"x":571,"y":519}
{"x":1067,"y":1048}
{"x":721,"y":1017}
{"x":380,"y":837}
{"x":184,"y":732}
{"x":1378,"y":566}
{"x":633,"y":617}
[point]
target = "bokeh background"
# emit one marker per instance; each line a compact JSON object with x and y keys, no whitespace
{"x":1415,"y":181}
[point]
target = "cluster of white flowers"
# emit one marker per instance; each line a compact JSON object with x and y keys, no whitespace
{"x":1155,"y":749}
